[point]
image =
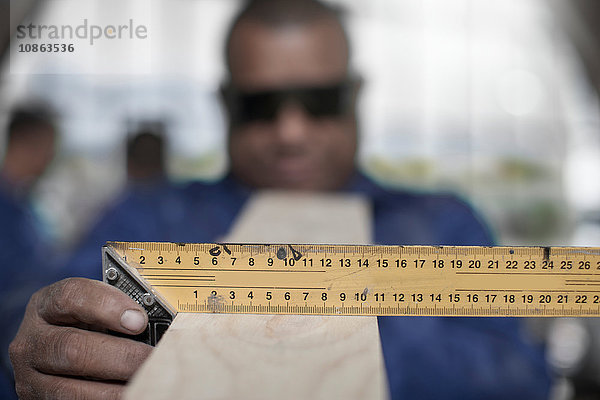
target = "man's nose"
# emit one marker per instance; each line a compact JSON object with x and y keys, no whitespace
{"x":292,"y":123}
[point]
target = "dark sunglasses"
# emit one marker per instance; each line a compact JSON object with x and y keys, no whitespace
{"x":322,"y":101}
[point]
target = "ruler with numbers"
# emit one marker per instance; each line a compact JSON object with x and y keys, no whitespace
{"x":167,"y":278}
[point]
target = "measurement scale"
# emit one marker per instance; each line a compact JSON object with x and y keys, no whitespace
{"x":167,"y":278}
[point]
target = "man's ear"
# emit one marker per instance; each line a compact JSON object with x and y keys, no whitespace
{"x":357,"y":86}
{"x":223,"y":90}
{"x":356,"y":83}
{"x":225,"y":93}
{"x":225,"y":99}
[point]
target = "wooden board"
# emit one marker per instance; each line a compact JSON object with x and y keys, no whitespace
{"x":224,"y":356}
{"x":283,"y":217}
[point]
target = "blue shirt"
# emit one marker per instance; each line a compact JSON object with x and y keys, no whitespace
{"x":23,"y":270}
{"x":425,"y":357}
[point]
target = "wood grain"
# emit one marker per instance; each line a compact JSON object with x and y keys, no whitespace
{"x":222,"y":356}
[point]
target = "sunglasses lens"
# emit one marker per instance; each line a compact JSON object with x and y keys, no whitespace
{"x":319,"y":102}
{"x":258,"y":106}
{"x":324,"y":102}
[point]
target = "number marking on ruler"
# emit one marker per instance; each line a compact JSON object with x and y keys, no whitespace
{"x":367,"y":280}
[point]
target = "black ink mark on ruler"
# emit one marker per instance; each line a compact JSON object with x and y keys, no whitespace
{"x":215,"y":251}
{"x":546,"y":253}
{"x":296,"y":254}
{"x":281,"y":253}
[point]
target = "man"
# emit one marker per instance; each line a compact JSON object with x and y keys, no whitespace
{"x":291,"y":104}
{"x":29,"y":150}
{"x":146,"y":156}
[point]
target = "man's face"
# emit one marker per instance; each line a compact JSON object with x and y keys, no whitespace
{"x":293,"y":148}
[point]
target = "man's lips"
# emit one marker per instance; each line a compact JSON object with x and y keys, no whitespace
{"x":294,"y":168}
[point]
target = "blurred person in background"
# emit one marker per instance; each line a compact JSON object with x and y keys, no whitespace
{"x":30,"y":146}
{"x":148,"y":191}
{"x":291,"y":104}
{"x":146,"y":155}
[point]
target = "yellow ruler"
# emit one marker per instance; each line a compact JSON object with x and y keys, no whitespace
{"x":360,"y":280}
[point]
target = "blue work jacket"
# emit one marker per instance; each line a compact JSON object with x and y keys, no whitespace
{"x":425,"y":357}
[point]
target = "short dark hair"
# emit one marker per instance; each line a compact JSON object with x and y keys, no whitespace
{"x":283,"y":13}
{"x":22,"y":118}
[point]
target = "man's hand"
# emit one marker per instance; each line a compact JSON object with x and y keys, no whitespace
{"x":60,"y":351}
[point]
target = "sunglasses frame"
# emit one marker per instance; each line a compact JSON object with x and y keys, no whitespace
{"x":233,"y":98}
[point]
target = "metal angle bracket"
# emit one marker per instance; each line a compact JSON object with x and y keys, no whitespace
{"x":116,"y":272}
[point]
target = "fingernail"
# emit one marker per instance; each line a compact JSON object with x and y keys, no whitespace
{"x":133,"y":320}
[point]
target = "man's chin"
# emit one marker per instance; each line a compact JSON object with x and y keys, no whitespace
{"x":295,"y":175}
{"x":297,"y":180}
